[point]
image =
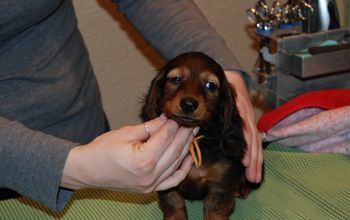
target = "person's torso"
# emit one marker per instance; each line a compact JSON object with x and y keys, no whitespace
{"x":46,"y":80}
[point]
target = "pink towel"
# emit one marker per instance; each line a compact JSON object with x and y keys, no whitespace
{"x":314,"y":122}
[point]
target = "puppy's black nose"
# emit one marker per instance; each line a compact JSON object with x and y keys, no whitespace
{"x":188,"y":104}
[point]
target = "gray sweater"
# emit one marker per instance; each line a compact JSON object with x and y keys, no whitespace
{"x":49,"y":97}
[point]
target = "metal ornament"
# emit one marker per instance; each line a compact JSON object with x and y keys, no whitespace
{"x":279,"y":15}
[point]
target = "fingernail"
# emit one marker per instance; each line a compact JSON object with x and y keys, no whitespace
{"x":192,"y":162}
{"x":195,"y":131}
{"x":258,"y":179}
{"x":163,"y":116}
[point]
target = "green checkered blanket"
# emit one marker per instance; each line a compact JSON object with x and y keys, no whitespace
{"x":297,"y":185}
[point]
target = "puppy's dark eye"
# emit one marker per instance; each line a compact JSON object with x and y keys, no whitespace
{"x":175,"y":80}
{"x":210,"y":86}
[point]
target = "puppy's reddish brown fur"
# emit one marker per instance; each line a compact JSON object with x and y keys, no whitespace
{"x":192,"y":90}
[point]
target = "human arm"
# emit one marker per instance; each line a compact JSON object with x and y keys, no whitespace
{"x":32,"y":163}
{"x":174,"y":27}
{"x":47,"y":169}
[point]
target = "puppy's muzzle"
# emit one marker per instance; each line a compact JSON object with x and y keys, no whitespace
{"x":188,"y":105}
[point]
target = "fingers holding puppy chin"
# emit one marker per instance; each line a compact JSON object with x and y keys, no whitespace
{"x":159,"y":139}
{"x":145,"y":130}
{"x":171,"y":168}
{"x":175,"y":154}
{"x":96,"y":164}
{"x":176,"y":177}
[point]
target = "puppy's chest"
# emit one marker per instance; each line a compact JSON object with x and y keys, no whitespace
{"x":214,"y":166}
{"x":217,"y":170}
{"x":201,"y":180}
{"x":208,"y":173}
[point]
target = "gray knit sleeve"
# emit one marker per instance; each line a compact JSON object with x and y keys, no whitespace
{"x":177,"y":26}
{"x":32,"y":163}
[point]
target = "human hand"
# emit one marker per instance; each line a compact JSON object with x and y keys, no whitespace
{"x":253,"y":158}
{"x":131,"y":159}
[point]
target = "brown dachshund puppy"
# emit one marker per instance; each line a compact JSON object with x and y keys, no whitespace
{"x":192,"y":90}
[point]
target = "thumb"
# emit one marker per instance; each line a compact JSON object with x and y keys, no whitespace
{"x":145,"y":130}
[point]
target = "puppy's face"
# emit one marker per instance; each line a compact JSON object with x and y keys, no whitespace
{"x":191,"y":93}
{"x":192,"y":90}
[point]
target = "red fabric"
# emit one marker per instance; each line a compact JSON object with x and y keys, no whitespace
{"x":325,"y":99}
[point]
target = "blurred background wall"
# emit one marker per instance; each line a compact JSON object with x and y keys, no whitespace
{"x":125,"y":64}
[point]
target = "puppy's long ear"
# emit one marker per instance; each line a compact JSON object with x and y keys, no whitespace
{"x":228,"y":102}
{"x":234,"y":143}
{"x":150,"y":108}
